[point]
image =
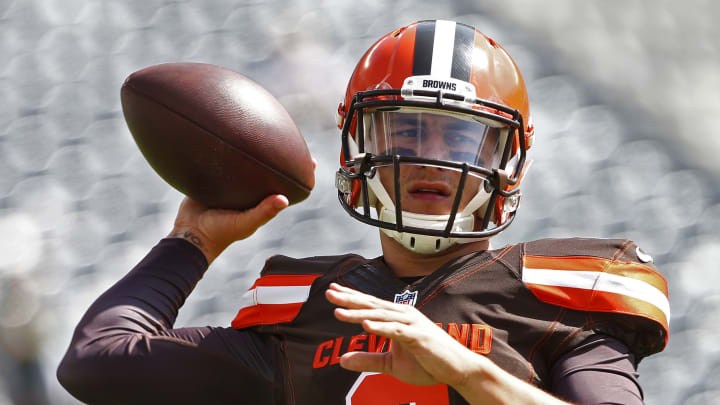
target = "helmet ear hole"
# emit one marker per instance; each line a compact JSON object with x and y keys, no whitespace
{"x":412,"y":242}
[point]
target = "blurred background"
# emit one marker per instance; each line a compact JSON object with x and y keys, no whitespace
{"x":624,"y":96}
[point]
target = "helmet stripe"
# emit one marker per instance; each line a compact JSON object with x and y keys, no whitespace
{"x":443,"y":49}
{"x":443,"y":46}
{"x":463,"y":52}
{"x":424,"y":37}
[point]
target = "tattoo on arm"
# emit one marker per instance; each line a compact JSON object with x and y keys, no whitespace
{"x":189,"y":236}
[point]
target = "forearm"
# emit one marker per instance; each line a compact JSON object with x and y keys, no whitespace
{"x":488,"y":384}
{"x":124,"y":350}
{"x":149,"y":296}
{"x":145,"y":302}
{"x":129,"y":324}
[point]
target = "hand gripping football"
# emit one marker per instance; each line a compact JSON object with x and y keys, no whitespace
{"x":215,"y":135}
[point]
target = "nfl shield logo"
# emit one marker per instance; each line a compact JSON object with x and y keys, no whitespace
{"x":407,"y":297}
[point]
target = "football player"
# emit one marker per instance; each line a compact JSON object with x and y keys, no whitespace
{"x":435,"y":131}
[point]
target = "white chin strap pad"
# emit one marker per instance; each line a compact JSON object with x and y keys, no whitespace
{"x":426,"y":244}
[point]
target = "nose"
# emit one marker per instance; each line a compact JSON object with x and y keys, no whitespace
{"x":434,"y":146}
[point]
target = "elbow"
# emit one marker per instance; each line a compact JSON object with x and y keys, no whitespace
{"x":76,"y":375}
{"x":69,"y":375}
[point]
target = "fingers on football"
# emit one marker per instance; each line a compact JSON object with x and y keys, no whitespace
{"x":273,"y":204}
{"x":263,"y":212}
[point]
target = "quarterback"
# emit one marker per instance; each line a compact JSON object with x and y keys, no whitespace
{"x":435,"y":128}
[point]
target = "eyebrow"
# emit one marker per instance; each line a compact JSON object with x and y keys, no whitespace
{"x":407,"y":120}
{"x":459,"y":125}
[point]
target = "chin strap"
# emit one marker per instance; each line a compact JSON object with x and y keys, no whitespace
{"x":426,"y":244}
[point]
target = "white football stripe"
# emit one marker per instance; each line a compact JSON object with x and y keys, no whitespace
{"x":275,"y":295}
{"x":598,"y":281}
{"x":443,"y":45}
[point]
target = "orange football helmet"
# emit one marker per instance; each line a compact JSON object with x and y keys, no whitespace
{"x":434,"y":94}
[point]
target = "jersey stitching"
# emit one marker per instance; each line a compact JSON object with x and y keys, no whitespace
{"x":340,"y":276}
{"x":620,"y":252}
{"x":267,"y":269}
{"x":509,"y":268}
{"x":546,"y":336}
{"x":288,"y":367}
{"x":461,"y":277}
{"x":584,"y":326}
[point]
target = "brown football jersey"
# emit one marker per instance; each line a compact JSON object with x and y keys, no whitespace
{"x":523,"y":306}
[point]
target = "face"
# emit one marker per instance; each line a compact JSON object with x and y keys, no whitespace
{"x":430,"y":189}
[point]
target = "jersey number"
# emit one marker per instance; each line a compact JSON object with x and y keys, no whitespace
{"x":383,"y":389}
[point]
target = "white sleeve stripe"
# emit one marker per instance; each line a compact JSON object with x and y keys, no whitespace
{"x":275,"y":295}
{"x":598,"y":281}
{"x":248,"y":299}
{"x":443,"y":46}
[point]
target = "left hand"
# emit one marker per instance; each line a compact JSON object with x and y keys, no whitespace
{"x":421,"y":353}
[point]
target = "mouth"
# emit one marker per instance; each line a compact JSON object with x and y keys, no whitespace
{"x":429,"y":190}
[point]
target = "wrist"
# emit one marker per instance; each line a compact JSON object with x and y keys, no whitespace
{"x":487,"y":383}
{"x":199,"y":240}
{"x":476,"y":376}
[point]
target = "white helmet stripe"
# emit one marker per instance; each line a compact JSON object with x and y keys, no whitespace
{"x":443,"y":45}
{"x":444,"y":49}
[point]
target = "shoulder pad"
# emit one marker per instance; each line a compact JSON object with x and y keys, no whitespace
{"x":280,"y":264}
{"x":612,"y":276}
{"x":282,"y":289}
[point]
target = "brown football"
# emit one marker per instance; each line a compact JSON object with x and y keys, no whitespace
{"x":215,"y":135}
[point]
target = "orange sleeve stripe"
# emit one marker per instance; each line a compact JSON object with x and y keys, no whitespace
{"x":266,"y":314}
{"x":600,"y":301}
{"x":285,"y":280}
{"x":637,"y":271}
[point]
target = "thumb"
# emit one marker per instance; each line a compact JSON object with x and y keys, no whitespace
{"x":259,"y":215}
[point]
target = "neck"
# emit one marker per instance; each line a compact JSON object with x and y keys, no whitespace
{"x":405,"y":263}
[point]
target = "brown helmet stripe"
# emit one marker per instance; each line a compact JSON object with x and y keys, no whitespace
{"x":424,"y":38}
{"x":462,"y":52}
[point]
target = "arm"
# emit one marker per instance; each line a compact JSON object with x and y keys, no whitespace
{"x":124,"y":350}
{"x":213,"y":230}
{"x":424,"y":354}
{"x":601,"y":370}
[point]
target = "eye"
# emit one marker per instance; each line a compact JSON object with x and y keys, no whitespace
{"x":459,"y":139}
{"x":406,"y":134}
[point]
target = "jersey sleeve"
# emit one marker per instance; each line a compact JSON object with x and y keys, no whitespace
{"x":284,"y":285}
{"x":614,"y":280}
{"x":601,"y":370}
{"x":125,"y":350}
